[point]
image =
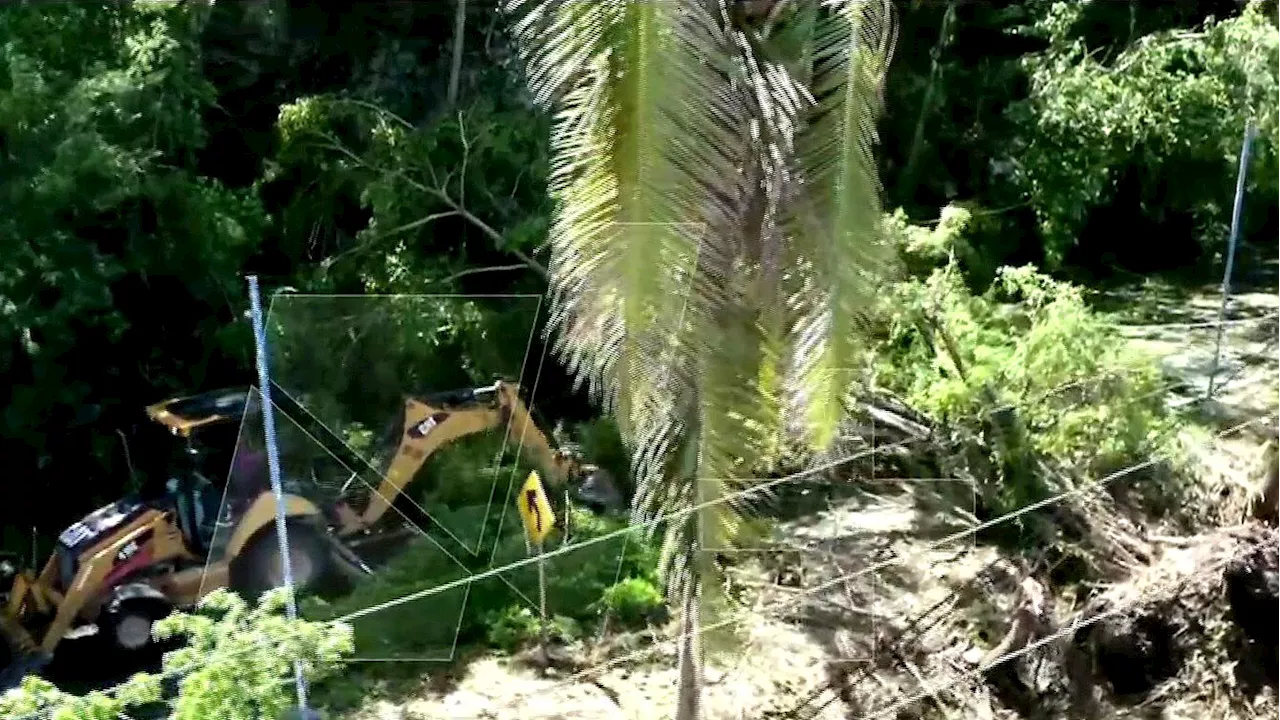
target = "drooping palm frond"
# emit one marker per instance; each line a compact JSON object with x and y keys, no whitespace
{"x":714,"y":146}
{"x":624,"y":242}
{"x":834,"y":220}
{"x":558,"y":40}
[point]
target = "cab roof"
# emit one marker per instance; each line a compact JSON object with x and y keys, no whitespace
{"x":184,"y":414}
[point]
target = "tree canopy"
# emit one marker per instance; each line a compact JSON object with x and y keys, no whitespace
{"x":157,"y":152}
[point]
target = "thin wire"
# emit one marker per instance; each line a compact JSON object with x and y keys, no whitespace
{"x":617,"y":533}
{"x":796,"y":597}
{"x":1075,"y":626}
{"x":518,"y":564}
{"x":428,"y":592}
{"x":982,"y":212}
{"x":778,"y":481}
{"x":897,"y":559}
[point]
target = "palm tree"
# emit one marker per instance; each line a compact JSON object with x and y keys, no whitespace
{"x":715,"y":240}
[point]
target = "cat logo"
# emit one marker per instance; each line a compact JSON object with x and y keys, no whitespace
{"x":419,"y":431}
{"x":127,"y":551}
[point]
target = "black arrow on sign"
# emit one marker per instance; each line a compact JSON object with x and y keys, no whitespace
{"x":531,"y":499}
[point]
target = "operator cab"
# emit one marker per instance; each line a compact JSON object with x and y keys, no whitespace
{"x":207,"y":427}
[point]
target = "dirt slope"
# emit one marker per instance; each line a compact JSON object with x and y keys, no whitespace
{"x":905,"y":636}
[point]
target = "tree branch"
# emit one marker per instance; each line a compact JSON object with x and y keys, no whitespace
{"x":489,"y":231}
{"x":444,"y":197}
{"x":477,"y":271}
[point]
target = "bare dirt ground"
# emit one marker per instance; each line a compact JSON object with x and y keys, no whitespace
{"x":865,"y":610}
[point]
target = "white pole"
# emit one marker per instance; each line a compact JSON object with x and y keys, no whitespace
{"x":273,"y":466}
{"x":1236,"y":211}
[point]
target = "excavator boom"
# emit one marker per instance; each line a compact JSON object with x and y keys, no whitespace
{"x":433,"y":421}
{"x":103,"y":567}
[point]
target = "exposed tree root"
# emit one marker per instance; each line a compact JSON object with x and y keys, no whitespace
{"x":1263,"y":501}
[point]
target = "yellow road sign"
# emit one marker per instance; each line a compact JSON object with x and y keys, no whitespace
{"x":535,"y":509}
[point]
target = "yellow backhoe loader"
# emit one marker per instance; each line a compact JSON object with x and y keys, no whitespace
{"x":124,"y":566}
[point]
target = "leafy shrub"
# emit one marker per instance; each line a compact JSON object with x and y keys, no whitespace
{"x":236,"y":665}
{"x":1029,"y":343}
{"x":1024,"y":367}
{"x":519,"y":625}
{"x":633,"y":601}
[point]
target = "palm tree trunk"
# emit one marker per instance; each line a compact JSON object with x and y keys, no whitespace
{"x":689,"y":669}
{"x":689,"y":700}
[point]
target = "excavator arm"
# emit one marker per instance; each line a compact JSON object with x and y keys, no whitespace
{"x":432,"y":422}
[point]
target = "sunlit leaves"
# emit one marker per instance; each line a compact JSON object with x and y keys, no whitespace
{"x":1173,"y":103}
{"x":1091,"y":400}
{"x":237,"y":665}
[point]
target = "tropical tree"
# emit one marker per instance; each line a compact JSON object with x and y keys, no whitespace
{"x":716,"y":238}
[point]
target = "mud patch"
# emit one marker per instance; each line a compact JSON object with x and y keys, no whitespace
{"x":1134,"y":654}
{"x":1252,"y":593}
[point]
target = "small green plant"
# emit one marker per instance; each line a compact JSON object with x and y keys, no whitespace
{"x":633,"y":601}
{"x":236,"y":665}
{"x":518,"y":625}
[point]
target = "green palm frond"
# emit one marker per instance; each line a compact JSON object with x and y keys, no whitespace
{"x":558,"y":40}
{"x":834,"y":220}
{"x":715,"y":240}
{"x":627,"y":177}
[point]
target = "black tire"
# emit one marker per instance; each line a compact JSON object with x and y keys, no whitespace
{"x":127,"y":627}
{"x":257,"y":568}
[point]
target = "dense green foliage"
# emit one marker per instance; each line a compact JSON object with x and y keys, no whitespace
{"x":1130,"y":124}
{"x":155,"y":153}
{"x":238,"y":664}
{"x":1062,"y":123}
{"x":1024,"y":348}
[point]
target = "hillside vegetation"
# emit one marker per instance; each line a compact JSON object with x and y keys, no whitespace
{"x":1051,"y":172}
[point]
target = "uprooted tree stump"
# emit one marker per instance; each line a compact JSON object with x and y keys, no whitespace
{"x":1264,"y":501}
{"x":1252,"y":583}
{"x":1187,"y":603}
{"x":1136,"y":651}
{"x":1206,"y":603}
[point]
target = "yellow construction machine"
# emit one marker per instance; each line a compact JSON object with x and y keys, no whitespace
{"x":122,"y":567}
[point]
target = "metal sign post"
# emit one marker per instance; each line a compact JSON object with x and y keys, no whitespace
{"x":539,"y":519}
{"x":273,"y":466}
{"x":1236,"y":211}
{"x":542,"y":600}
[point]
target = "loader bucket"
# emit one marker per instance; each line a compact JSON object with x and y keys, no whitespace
{"x":19,"y":655}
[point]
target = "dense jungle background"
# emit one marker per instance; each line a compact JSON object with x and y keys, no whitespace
{"x":153,"y":158}
{"x":1041,"y":159}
